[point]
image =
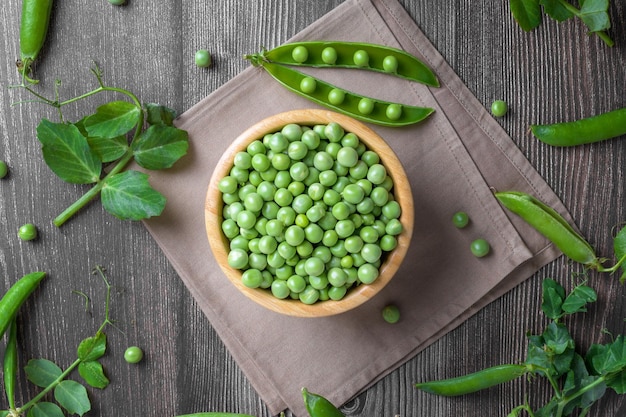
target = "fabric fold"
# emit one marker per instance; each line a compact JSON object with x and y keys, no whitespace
{"x":454,"y":160}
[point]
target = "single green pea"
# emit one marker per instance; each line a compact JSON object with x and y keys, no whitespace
{"x":393,"y":111}
{"x":353,"y":194}
{"x":391,"y":313}
{"x":334,"y":132}
{"x":370,"y":158}
{"x":376,"y":174}
{"x":294,"y":235}
{"x":277,"y":142}
{"x":260,"y":162}
{"x":390,"y":64}
{"x":367,"y":273}
{"x":347,"y":156}
{"x":257,"y":261}
{"x":337,"y":293}
{"x":336,"y":96}
{"x":117,"y":2}
{"x":361,"y":58}
{"x":27,"y":231}
{"x":297,"y":150}
{"x":366,"y":105}
{"x":230,"y":228}
{"x":359,"y":171}
{"x":237,"y":258}
{"x":309,"y":295}
{"x":300,"y":54}
{"x":302,"y":203}
{"x":133,"y":354}
{"x":227,"y":185}
{"x":286,"y":215}
{"x":329,"y":55}
{"x":292,"y":132}
{"x":388,"y":243}
{"x":255,"y":147}
{"x":460,"y":219}
{"x":323,"y":161}
{"x":499,"y":108}
{"x":353,"y":244}
{"x":311,"y":139}
{"x":202,"y":57}
{"x":280,"y":289}
{"x":344,"y":228}
{"x":296,"y":283}
{"x":308,"y":85}
{"x":392,"y":210}
{"x":393,"y":227}
{"x":283,"y":197}
{"x":4,"y":169}
{"x":480,"y":248}
{"x":274,"y":260}
{"x":252,"y":278}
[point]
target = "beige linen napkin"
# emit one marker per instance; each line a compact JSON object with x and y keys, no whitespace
{"x":454,"y":161}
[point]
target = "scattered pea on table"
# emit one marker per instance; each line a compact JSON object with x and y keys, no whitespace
{"x":27,"y":231}
{"x":4,"y":169}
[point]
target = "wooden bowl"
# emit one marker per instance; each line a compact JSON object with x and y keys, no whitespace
{"x":356,"y":295}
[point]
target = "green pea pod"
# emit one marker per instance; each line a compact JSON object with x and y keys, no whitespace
{"x":9,"y":368}
{"x":15,"y":297}
{"x":215,"y":415}
{"x":330,"y":54}
{"x":552,"y":225}
{"x":33,"y":30}
{"x":473,"y":382}
{"x":589,"y":130}
{"x":318,"y":406}
{"x":378,"y":114}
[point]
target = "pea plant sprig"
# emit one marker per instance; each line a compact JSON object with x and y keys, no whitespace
{"x":69,"y":394}
{"x":578,"y":380}
{"x":593,"y":13}
{"x":117,"y":133}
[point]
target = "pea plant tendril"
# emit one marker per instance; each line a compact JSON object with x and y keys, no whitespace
{"x":69,"y":394}
{"x":117,"y":133}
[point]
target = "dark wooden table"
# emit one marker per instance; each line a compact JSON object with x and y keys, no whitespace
{"x":555,"y":73}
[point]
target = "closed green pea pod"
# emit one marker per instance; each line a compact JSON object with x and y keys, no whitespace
{"x":33,"y":30}
{"x":379,"y":57}
{"x":15,"y":297}
{"x":291,"y":79}
{"x":473,"y":382}
{"x":318,"y":406}
{"x":588,"y":130}
{"x":552,"y":225}
{"x":10,"y":365}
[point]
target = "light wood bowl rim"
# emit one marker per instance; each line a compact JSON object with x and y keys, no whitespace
{"x":402,"y":192}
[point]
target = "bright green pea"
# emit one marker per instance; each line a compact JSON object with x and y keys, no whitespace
{"x":334,"y":132}
{"x":460,"y":219}
{"x":366,"y":105}
{"x":340,"y":170}
{"x":353,"y":244}
{"x":230,"y":228}
{"x":302,"y":220}
{"x":132,"y":354}
{"x":370,"y":158}
{"x":499,"y":108}
{"x":392,"y":210}
{"x":253,"y":202}
{"x":274,"y":260}
{"x":237,"y":258}
{"x":336,"y":96}
{"x":302,"y":203}
{"x":328,"y":178}
{"x":368,"y":234}
{"x":296,"y":188}
{"x":309,"y":295}
{"x":284,"y":272}
{"x":347,"y":262}
{"x":361,"y":58}
{"x":332,"y":149}
{"x":245,"y":190}
{"x":311,"y":139}
{"x":202,"y":58}
{"x":283,"y":179}
{"x":296,"y":283}
{"x":391,"y":314}
{"x":248,"y":233}
{"x":480,"y":248}
{"x":366,"y":206}
{"x":266,"y":190}
{"x":313,"y":177}
{"x":393,"y":111}
{"x":239,"y":242}
{"x":280,"y":289}
{"x":294,"y":235}
{"x":340,"y":211}
{"x":256,"y":147}
{"x":308,"y":85}
{"x":270,"y":210}
{"x":269,"y":174}
{"x":330,"y":238}
{"x":292,"y":132}
{"x":260,"y":225}
{"x":393,"y":227}
{"x":315,"y":213}
{"x":297,"y":150}
{"x":283,"y":197}
{"x":353,"y":194}
{"x":359,"y":171}
{"x":377,"y":174}
{"x":314,"y":266}
{"x":350,"y":140}
{"x":286,"y":250}
{"x":277,"y":142}
{"x":228,"y":185}
{"x":329,"y":55}
{"x":253,"y":245}
{"x":371,"y":252}
{"x":240,"y":175}
{"x":344,"y":228}
{"x":274,"y":228}
{"x":243,"y":160}
{"x":318,"y":282}
{"x":257,"y":261}
{"x":390,"y":64}
{"x":246,"y":219}
{"x":341,"y":184}
{"x":260,"y":162}
{"x":331,"y":197}
{"x":316,"y":191}
{"x":367,"y":273}
{"x":323,"y":161}
{"x":388,"y":243}
{"x":380,"y":196}
{"x":286,"y":215}
{"x":347,"y":156}
{"x":337,"y":293}
{"x":300,"y":54}
{"x":281,"y":161}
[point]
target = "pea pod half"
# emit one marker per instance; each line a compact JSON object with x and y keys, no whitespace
{"x":15,"y":297}
{"x":474,"y":382}
{"x":552,"y":225}
{"x":592,"y":129}
{"x":318,"y":406}
{"x":367,"y":56}
{"x":360,"y":107}
{"x":33,"y":30}
{"x":9,"y":367}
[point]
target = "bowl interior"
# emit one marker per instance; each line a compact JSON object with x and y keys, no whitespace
{"x":355,"y":295}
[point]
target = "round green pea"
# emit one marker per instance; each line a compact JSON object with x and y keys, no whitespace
{"x":292,"y":131}
{"x":393,"y":111}
{"x":237,"y":258}
{"x":202,"y":57}
{"x":252,"y":278}
{"x":296,"y":283}
{"x":480,"y":248}
{"x":390,"y":64}
{"x":4,"y":169}
{"x":337,"y":293}
{"x":391,"y":314}
{"x":367,"y":273}
{"x":329,"y":55}
{"x":300,"y":54}
{"x":348,"y":157}
{"x":371,"y":252}
{"x":334,"y":132}
{"x":280,"y":289}
{"x":309,"y":295}
{"x":308,"y":85}
{"x":366,"y":105}
{"x":297,"y":150}
{"x":499,"y":108}
{"x":388,"y":243}
{"x":227,"y":185}
{"x":361,"y":58}
{"x":344,"y":228}
{"x":353,"y":194}
{"x":132,"y":354}
{"x":27,"y":231}
{"x":460,"y":219}
{"x":336,"y":96}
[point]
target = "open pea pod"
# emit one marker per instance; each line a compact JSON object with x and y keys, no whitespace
{"x":552,"y":225}
{"x":360,"y":107}
{"x":359,"y":55}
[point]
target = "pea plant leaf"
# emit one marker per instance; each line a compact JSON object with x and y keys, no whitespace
{"x":107,"y":149}
{"x":159,"y":115}
{"x":612,"y":358}
{"x":556,"y":10}
{"x":557,"y":338}
{"x":113,"y":119}
{"x":42,"y":372}
{"x":93,"y":374}
{"x":552,"y":299}
{"x":45,"y":409}
{"x":160,"y":146}
{"x":72,"y":396}
{"x":594,"y":13}
{"x":619,"y":247}
{"x":67,"y":153}
{"x":578,"y":299}
{"x":92,"y":348}
{"x":527,"y":13}
{"x":129,"y":196}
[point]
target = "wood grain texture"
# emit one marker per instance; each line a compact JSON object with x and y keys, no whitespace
{"x":554,"y":73}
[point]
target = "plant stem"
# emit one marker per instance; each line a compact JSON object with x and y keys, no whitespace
{"x":56,"y":382}
{"x":573,"y":10}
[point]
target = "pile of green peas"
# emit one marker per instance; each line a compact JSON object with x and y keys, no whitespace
{"x":309,"y":212}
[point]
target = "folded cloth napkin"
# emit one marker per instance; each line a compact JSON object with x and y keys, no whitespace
{"x":454,"y":159}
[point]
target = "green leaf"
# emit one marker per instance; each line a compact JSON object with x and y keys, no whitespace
{"x":594,"y":350}
{"x":579,"y":298}
{"x":578,"y":378}
{"x":42,"y":372}
{"x":129,"y":196}
{"x":556,"y":10}
{"x":557,"y":338}
{"x":67,"y":153}
{"x":113,"y":119}
{"x":159,"y":147}
{"x":594,"y":13}
{"x":612,"y":358}
{"x":73,"y":397}
{"x":93,"y":374}
{"x":107,"y":149}
{"x":618,"y":383}
{"x":619,"y":247}
{"x":527,"y":13}
{"x":4,"y":413}
{"x":45,"y":409}
{"x":552,"y":300}
{"x":93,"y":347}
{"x":160,"y":115}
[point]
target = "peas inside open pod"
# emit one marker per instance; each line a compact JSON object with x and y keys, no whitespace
{"x":309,"y":213}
